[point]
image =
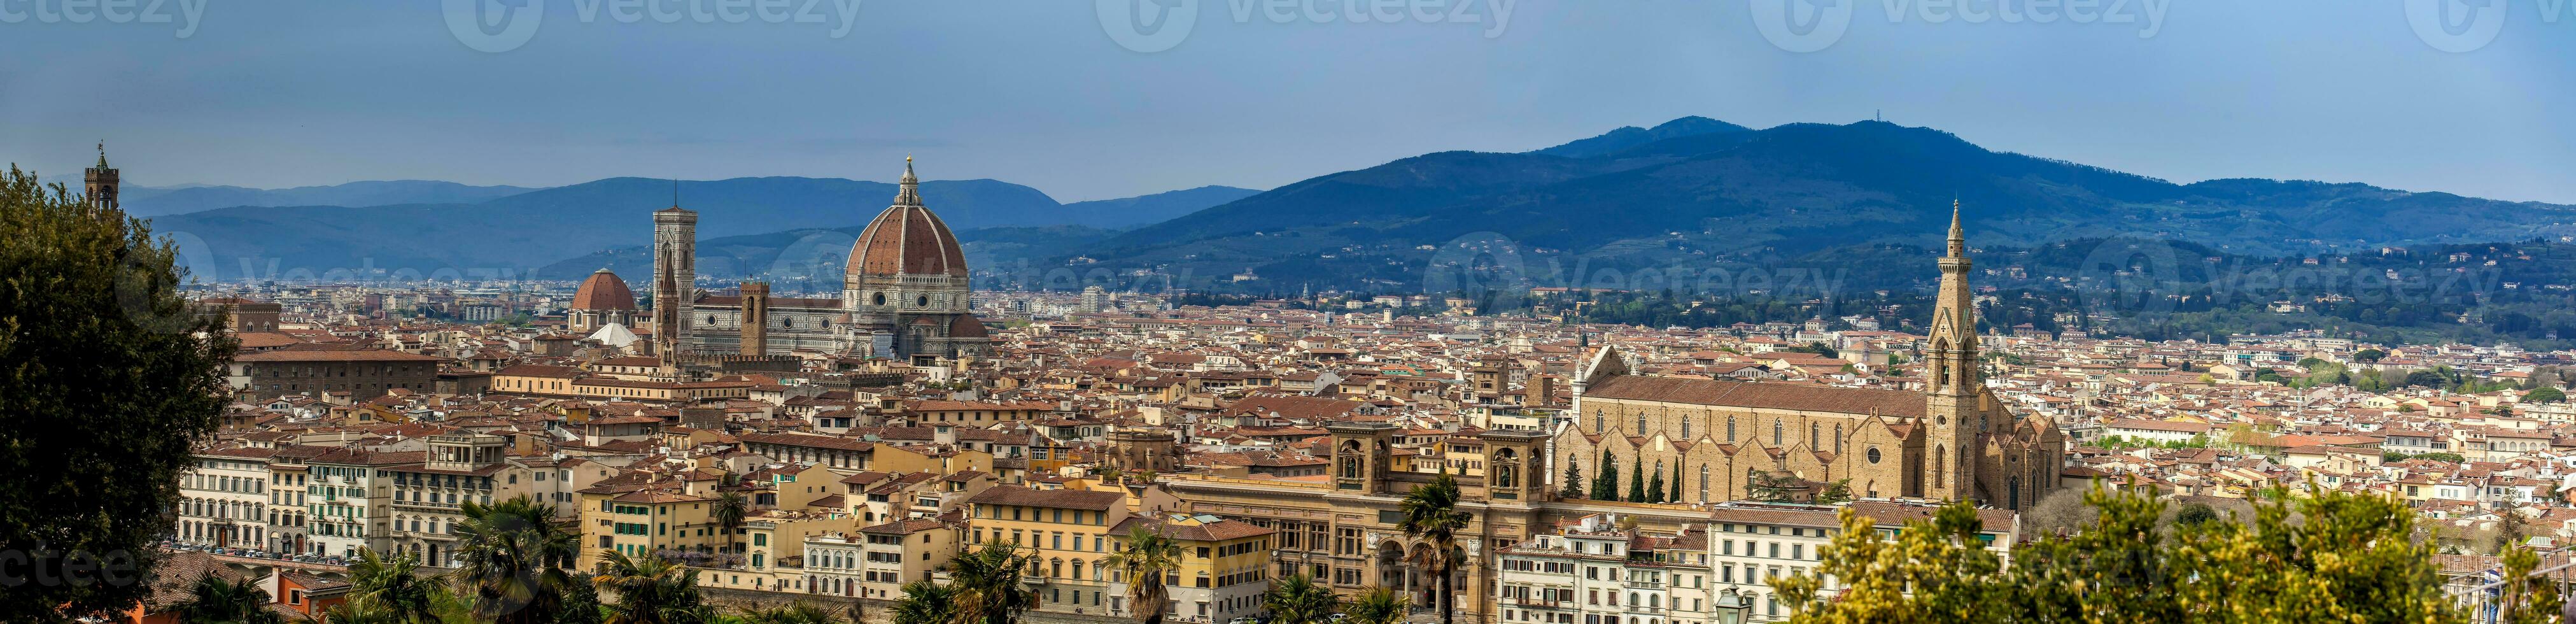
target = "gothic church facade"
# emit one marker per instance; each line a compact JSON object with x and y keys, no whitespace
{"x":1710,"y":440}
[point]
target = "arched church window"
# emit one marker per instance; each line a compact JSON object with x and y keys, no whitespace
{"x":1600,"y":421}
{"x":1838,"y":438}
{"x":1686,"y":432}
{"x":1703,"y":483}
{"x":1815,"y":436}
{"x":1730,"y":427}
{"x":1641,"y":424}
{"x":1777,"y":432}
{"x":1940,"y":465}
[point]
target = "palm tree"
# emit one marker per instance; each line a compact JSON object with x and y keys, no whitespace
{"x":651,"y":590}
{"x":1431,"y":512}
{"x":1298,"y":600}
{"x":512,"y":563}
{"x":925,"y":602}
{"x":214,"y":600}
{"x":730,"y":509}
{"x":1144,"y":560}
{"x":987,"y":583}
{"x":796,"y":612}
{"x":1378,"y":605}
{"x":392,"y":586}
{"x":358,"y":612}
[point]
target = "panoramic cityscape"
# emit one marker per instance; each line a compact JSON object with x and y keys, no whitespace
{"x":1328,"y":313}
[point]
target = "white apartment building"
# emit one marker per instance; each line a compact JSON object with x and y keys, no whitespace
{"x":1595,"y":573}
{"x":223,"y":499}
{"x":349,"y":502}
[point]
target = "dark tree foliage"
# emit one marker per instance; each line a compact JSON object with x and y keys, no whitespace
{"x":106,"y":376}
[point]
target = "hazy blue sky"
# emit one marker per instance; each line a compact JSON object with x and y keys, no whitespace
{"x":282,"y":93}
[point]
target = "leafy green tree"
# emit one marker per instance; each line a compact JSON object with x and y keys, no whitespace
{"x":1378,"y":605}
{"x":214,"y":600}
{"x":2371,"y":356}
{"x":2546,"y":394}
{"x":393,"y":586}
{"x":1298,"y":600}
{"x":110,"y":375}
{"x":1431,"y":512}
{"x":2525,"y":598}
{"x":2348,"y":559}
{"x":729,"y":511}
{"x":988,"y":585}
{"x":925,"y":602}
{"x":1835,"y":493}
{"x":1145,"y":560}
{"x":2194,"y":514}
{"x":650,"y":590}
{"x":2511,"y":529}
{"x":512,"y":561}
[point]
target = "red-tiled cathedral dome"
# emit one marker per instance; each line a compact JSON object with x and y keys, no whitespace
{"x":603,"y":291}
{"x":907,"y":239}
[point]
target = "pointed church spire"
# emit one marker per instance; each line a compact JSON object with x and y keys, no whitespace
{"x":910,"y":192}
{"x":1958,"y":236}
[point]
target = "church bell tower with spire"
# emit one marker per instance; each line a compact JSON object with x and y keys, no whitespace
{"x":1954,"y":388}
{"x":98,"y":184}
{"x":675,"y":278}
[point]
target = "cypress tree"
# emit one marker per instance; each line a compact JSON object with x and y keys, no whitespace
{"x":1637,"y":483}
{"x":1608,"y":487}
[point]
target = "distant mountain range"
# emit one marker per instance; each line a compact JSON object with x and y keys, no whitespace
{"x":1700,"y":193}
{"x":1693,"y":193}
{"x":145,"y":201}
{"x":514,"y":233}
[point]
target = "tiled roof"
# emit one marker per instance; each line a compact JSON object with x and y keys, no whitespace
{"x":1695,"y":391}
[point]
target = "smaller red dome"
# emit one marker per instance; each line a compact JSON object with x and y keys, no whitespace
{"x":967,"y":326}
{"x":603,"y":291}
